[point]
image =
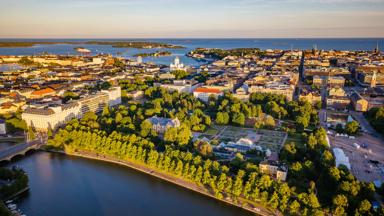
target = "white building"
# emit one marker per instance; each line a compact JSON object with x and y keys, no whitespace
{"x":341,"y":158}
{"x":114,"y":95}
{"x":186,"y":86}
{"x":53,"y":116}
{"x":176,"y":65}
{"x":204,"y":93}
{"x":3,"y":129}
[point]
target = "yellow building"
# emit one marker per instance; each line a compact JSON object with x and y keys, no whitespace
{"x":312,"y":98}
{"x":275,"y":169}
{"x":359,"y":103}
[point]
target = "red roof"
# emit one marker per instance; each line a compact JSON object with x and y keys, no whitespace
{"x":208,"y":90}
{"x":43,"y":91}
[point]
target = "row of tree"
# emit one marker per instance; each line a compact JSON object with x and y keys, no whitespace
{"x":13,"y":181}
{"x":244,"y":184}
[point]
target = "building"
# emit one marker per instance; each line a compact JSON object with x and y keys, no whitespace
{"x":358,"y":102}
{"x":136,"y":95}
{"x":164,"y":76}
{"x":338,"y":102}
{"x":3,"y":129}
{"x":204,"y":93}
{"x":330,"y":81}
{"x":54,"y":116}
{"x":186,"y":86}
{"x":160,"y":125}
{"x":242,"y":145}
{"x":312,"y":97}
{"x":114,"y":95}
{"x":337,"y":92}
{"x":176,"y":65}
{"x":274,"y":168}
{"x":42,"y":93}
{"x":341,"y":158}
{"x":334,"y":119}
{"x":286,"y":90}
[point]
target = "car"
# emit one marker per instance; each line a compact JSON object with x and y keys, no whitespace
{"x":356,"y":145}
{"x":364,"y":145}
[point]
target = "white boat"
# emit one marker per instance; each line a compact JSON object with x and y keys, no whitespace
{"x":82,"y":50}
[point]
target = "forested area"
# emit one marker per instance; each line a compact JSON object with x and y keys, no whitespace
{"x":315,"y":186}
{"x":376,"y":117}
{"x":12,"y":181}
{"x":14,"y":123}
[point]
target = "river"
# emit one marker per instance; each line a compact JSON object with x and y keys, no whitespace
{"x":63,"y":185}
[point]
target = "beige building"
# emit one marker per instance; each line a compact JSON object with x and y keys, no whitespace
{"x":286,"y":90}
{"x":311,"y":97}
{"x":275,"y":169}
{"x":54,"y":116}
{"x":359,"y":103}
{"x":330,"y":81}
{"x":337,"y":92}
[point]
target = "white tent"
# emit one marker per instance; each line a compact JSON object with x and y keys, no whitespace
{"x":341,"y":158}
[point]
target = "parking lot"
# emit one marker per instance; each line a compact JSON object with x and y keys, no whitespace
{"x":367,"y":164}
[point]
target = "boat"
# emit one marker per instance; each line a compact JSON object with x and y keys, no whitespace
{"x":82,"y":50}
{"x":12,"y":207}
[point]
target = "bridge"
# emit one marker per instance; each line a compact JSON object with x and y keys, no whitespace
{"x":20,"y":149}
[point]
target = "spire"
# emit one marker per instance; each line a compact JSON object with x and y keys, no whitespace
{"x":377,"y":47}
{"x":373,"y":80}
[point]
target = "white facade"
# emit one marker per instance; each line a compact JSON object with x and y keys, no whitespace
{"x":341,"y":158}
{"x":204,"y":93}
{"x":160,"y":125}
{"x":176,"y":65}
{"x":181,"y":86}
{"x":3,"y":129}
{"x":114,"y":95}
{"x":52,"y":117}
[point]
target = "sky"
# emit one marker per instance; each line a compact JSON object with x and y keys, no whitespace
{"x":191,"y":18}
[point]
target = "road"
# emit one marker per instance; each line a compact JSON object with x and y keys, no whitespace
{"x":13,"y":150}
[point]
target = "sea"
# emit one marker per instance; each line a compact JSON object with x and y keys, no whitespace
{"x":190,"y":44}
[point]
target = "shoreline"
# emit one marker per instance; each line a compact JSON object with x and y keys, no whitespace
{"x":21,"y":191}
{"x":166,"y":177}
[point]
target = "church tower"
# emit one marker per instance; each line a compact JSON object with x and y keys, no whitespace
{"x":377,"y":50}
{"x":374,"y":79}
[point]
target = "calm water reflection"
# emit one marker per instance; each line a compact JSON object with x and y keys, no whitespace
{"x":62,"y":185}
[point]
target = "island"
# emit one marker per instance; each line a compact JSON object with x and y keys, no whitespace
{"x":136,"y":44}
{"x":213,"y":53}
{"x":154,"y":54}
{"x":117,"y":44}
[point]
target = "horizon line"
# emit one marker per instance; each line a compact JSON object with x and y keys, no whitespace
{"x":184,"y":38}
